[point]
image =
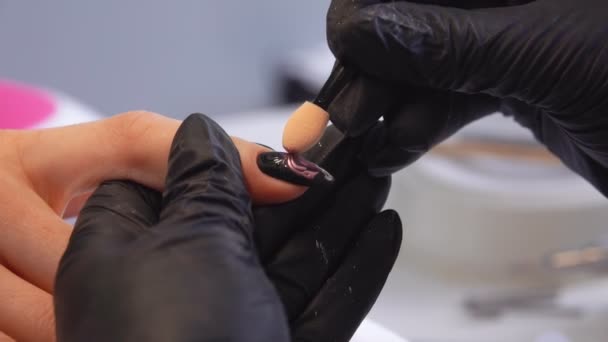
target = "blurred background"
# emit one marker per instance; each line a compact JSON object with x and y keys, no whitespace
{"x":171,"y":57}
{"x":502,"y":242}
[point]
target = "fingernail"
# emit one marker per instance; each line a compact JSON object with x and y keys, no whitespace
{"x":293,"y":168}
{"x":268,"y":147}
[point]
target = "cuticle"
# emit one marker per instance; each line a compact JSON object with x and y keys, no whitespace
{"x":268,"y":147}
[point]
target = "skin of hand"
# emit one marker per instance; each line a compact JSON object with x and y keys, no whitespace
{"x":332,"y":240}
{"x":43,"y":170}
{"x":176,"y":266}
{"x":431,"y":67}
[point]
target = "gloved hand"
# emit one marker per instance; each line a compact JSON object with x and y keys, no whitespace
{"x":431,"y":69}
{"x":181,"y":267}
{"x":191,"y":272}
{"x":329,"y":252}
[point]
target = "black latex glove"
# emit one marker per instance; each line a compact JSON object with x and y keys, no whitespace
{"x":329,"y":252}
{"x":181,"y":267}
{"x":429,"y":70}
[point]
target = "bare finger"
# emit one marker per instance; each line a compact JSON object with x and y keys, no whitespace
{"x":26,"y":313}
{"x":33,"y":236}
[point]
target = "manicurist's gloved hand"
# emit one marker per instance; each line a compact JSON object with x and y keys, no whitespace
{"x":430,"y":69}
{"x":329,"y":252}
{"x":178,"y":267}
{"x":192,"y":273}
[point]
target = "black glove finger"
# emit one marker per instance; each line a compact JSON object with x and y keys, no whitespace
{"x":408,"y":132}
{"x":275,"y":224}
{"x":114,"y":215}
{"x":363,"y":101}
{"x":205,"y":183}
{"x":433,"y":115}
{"x":367,"y":98}
{"x":439,"y":47}
{"x":552,"y":134}
{"x":340,"y":10}
{"x":303,"y":264}
{"x":346,"y":298}
{"x":195,"y":274}
{"x":473,"y":4}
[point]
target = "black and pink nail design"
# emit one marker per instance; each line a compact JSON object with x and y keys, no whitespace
{"x":293,"y":168}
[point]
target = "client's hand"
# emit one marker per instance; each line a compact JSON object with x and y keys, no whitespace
{"x":42,"y":171}
{"x":176,"y":267}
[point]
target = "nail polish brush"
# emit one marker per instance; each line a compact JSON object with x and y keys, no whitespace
{"x":307,"y":124}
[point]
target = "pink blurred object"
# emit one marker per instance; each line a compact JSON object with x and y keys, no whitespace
{"x":23,"y":106}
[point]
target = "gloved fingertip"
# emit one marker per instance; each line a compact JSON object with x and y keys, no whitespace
{"x":391,"y":217}
{"x":387,"y":226}
{"x":204,"y":172}
{"x":201,"y":143}
{"x":199,"y":130}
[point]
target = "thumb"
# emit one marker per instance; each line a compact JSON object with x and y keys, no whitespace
{"x":464,"y":50}
{"x":204,"y":178}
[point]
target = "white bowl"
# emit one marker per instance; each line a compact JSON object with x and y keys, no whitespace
{"x":494,"y":220}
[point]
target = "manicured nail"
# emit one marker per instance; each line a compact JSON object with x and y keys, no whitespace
{"x":268,"y":147}
{"x":293,"y":168}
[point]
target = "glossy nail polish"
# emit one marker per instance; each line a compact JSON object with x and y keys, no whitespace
{"x":293,"y":168}
{"x":268,"y":147}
